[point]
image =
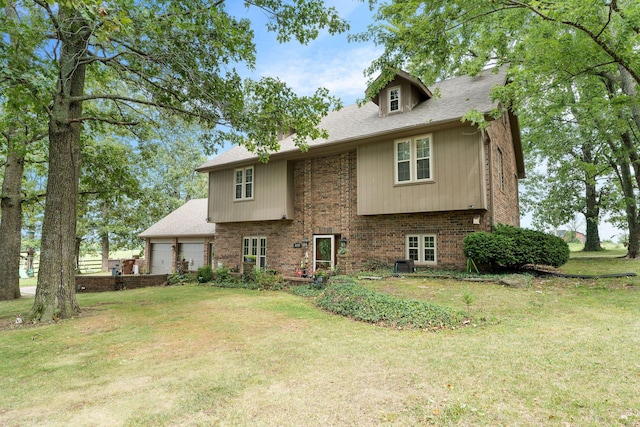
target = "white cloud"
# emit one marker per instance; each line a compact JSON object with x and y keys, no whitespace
{"x":339,"y":68}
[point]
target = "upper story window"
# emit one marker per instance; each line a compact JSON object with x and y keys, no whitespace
{"x":500,"y":170}
{"x":413,"y":159}
{"x":394,"y":99}
{"x":244,"y":184}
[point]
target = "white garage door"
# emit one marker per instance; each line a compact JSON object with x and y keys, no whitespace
{"x":161,"y":258}
{"x":194,"y":253}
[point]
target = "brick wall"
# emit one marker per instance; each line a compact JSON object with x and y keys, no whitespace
{"x":117,"y":283}
{"x":326,"y":203}
{"x":505,"y":200}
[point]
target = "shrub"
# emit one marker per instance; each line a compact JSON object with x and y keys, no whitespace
{"x":379,"y":267}
{"x":268,"y":280}
{"x":205,"y":274}
{"x":357,"y":302}
{"x":306,"y":291}
{"x":512,"y":248}
{"x":221,"y":274}
{"x":178,"y":278}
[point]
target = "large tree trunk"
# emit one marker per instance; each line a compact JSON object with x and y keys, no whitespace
{"x":624,"y":170}
{"x":11,"y":206}
{"x":55,"y":294}
{"x":11,"y":222}
{"x":625,"y":159}
{"x":592,"y":212}
{"x":592,"y":242}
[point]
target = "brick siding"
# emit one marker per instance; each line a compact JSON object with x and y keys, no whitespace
{"x":118,"y":283}
{"x":326,"y":204}
{"x":505,"y":200}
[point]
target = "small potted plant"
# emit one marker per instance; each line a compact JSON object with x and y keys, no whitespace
{"x":320,"y":276}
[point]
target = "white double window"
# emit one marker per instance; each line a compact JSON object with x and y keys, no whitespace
{"x":244,"y":183}
{"x":413,"y":159}
{"x":254,"y":249}
{"x":422,"y":248}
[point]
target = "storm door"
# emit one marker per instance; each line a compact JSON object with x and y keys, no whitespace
{"x":324,"y":252}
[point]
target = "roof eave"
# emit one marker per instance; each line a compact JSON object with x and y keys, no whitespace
{"x":352,"y":140}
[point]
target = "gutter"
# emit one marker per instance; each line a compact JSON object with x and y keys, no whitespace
{"x":361,"y":138}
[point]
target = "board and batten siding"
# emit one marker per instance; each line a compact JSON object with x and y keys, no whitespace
{"x":458,"y":172}
{"x":272,"y":194}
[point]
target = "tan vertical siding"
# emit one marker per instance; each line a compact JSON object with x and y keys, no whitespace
{"x":273,"y":195}
{"x":457,"y":171}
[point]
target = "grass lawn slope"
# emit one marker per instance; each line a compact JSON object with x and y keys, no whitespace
{"x":560,"y":352}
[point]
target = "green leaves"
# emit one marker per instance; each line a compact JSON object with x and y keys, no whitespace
{"x":512,"y":247}
{"x":357,"y":302}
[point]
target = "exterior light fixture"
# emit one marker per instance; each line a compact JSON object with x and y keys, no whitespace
{"x":305,"y":243}
{"x":343,"y":242}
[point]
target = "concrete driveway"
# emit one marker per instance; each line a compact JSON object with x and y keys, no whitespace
{"x":28,"y":291}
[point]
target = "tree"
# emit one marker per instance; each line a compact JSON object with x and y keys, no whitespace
{"x":569,"y":169}
{"x":108,"y":186}
{"x":20,"y":130}
{"x":544,"y":44}
{"x":178,"y":57}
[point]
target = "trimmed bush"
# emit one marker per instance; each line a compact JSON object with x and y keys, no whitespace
{"x":511,"y":247}
{"x":357,"y":302}
{"x":204,"y":274}
{"x":268,"y":280}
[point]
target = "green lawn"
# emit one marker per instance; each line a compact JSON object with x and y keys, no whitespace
{"x":560,"y":352}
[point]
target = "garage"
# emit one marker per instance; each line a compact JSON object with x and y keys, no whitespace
{"x":183,"y":234}
{"x":193,"y":253}
{"x":161,"y":254}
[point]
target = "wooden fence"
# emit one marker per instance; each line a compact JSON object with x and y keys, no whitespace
{"x":85,"y":266}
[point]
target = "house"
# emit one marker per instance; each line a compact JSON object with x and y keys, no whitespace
{"x":399,"y":178}
{"x":184,"y":234}
{"x":571,"y":235}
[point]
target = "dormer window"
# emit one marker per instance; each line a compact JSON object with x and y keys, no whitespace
{"x":394,"y":99}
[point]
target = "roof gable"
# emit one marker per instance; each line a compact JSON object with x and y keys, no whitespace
{"x":423,"y":91}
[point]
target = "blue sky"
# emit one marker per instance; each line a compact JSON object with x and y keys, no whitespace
{"x":329,"y":61}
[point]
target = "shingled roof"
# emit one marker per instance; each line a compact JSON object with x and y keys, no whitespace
{"x":457,"y":97}
{"x":188,"y":220}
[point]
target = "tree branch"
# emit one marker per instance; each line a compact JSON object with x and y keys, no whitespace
{"x":139,"y":102}
{"x":617,"y":58}
{"x":103,"y":120}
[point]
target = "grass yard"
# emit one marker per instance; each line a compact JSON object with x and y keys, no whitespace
{"x":561,"y":352}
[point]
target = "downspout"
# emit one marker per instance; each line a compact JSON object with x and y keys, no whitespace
{"x":487,"y":140}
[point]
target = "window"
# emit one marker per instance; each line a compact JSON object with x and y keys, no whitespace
{"x":413,"y":159}
{"x":244,"y":184}
{"x":422,"y":248}
{"x":500,"y":170}
{"x":394,"y":99}
{"x":254,"y":249}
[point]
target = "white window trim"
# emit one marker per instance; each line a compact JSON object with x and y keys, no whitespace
{"x":413,"y":160}
{"x":398,"y":88}
{"x":421,"y":249}
{"x":333,"y":249}
{"x":244,"y":183}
